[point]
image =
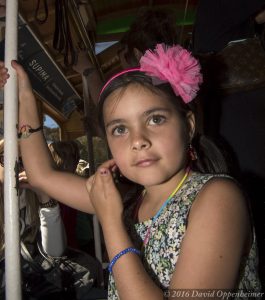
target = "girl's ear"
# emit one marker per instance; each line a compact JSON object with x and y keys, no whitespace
{"x":191,"y":123}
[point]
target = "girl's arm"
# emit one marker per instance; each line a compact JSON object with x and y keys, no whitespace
{"x":217,"y":235}
{"x":36,"y":156}
{"x":131,"y":279}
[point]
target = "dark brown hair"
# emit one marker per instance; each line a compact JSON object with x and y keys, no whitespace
{"x":210,"y":158}
{"x":150,"y":28}
{"x":65,"y":154}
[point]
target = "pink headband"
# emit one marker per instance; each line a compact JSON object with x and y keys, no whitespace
{"x":172,"y":64}
{"x":117,"y":75}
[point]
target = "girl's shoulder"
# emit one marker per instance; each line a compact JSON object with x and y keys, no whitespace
{"x":218,"y":193}
{"x":200,"y":181}
{"x":214,"y":182}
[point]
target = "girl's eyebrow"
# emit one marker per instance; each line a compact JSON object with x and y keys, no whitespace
{"x":146,"y":113}
{"x":113,"y":122}
{"x":156,"y":109}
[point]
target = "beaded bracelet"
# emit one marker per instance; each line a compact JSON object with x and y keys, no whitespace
{"x":116,"y":257}
{"x":26,"y":130}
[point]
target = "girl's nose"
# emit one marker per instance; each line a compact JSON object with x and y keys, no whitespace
{"x":140,"y":142}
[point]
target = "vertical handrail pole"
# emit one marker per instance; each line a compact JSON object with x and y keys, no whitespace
{"x":12,"y":244}
{"x":92,"y":167}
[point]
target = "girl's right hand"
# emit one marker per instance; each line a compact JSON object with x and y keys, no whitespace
{"x":104,"y":194}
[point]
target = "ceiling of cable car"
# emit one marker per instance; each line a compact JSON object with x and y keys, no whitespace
{"x":95,"y":24}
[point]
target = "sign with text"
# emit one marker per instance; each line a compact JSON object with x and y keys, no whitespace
{"x":46,"y":78}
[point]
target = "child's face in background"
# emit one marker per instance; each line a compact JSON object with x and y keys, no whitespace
{"x":145,"y":135}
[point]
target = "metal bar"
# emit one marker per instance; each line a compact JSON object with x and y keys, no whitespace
{"x":96,"y":226}
{"x":12,"y":245}
{"x":92,"y":169}
{"x":82,"y":30}
{"x":97,"y":238}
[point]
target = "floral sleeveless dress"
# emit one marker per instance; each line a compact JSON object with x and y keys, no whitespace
{"x":162,"y":251}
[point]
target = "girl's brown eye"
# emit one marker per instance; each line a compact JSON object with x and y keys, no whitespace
{"x":157,"y":120}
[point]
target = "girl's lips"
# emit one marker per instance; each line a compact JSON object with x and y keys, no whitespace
{"x":145,"y":162}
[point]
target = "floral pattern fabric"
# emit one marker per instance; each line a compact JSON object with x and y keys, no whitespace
{"x":162,"y":251}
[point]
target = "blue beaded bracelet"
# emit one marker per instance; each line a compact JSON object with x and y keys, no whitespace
{"x":116,"y":257}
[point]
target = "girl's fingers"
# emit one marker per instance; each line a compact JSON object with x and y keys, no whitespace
{"x":20,"y":71}
{"x":107,"y":183}
{"x":114,"y":168}
{"x":109,"y":164}
{"x":102,"y":179}
{"x":23,"y":79}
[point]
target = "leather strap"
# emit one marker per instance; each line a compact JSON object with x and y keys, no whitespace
{"x":62,"y":40}
{"x":46,"y":11}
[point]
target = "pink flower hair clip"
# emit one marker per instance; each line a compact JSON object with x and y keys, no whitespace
{"x":172,"y":64}
{"x":175,"y":65}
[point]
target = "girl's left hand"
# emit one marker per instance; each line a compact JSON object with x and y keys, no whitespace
{"x":104,"y":195}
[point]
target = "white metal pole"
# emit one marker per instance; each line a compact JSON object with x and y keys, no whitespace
{"x":12,"y":244}
{"x":97,"y":239}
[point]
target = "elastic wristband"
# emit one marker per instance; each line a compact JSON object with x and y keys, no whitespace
{"x":116,"y":257}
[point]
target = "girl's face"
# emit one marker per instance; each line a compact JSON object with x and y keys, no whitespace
{"x":145,"y":135}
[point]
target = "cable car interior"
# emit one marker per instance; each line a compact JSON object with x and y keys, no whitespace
{"x":53,"y":39}
{"x":93,"y":26}
{"x":56,"y":39}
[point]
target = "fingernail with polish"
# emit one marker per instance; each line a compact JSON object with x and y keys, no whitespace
{"x":104,"y":172}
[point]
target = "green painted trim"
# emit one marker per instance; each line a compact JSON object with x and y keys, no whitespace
{"x":122,"y":24}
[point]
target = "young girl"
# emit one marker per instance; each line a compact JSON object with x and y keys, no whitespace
{"x":180,"y":227}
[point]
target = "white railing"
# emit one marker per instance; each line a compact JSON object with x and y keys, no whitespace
{"x":12,"y":246}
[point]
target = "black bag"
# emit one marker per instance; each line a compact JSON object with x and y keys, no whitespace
{"x":73,"y":276}
{"x":240,"y":66}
